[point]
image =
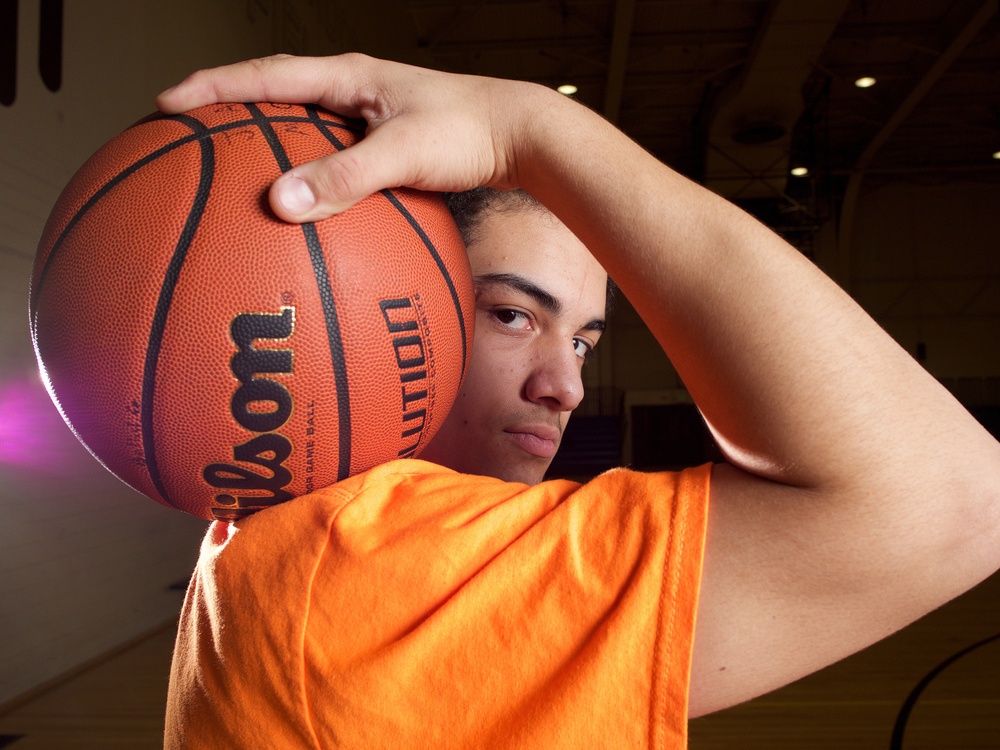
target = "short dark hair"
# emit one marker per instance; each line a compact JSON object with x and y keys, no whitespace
{"x":470,"y":207}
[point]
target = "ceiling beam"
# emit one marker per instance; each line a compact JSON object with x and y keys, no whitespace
{"x":754,"y":116}
{"x":853,"y":190}
{"x":658,"y":41}
{"x":957,"y":46}
{"x":624,"y":17}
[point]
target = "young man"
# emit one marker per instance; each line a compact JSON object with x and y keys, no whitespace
{"x":414,"y":606}
{"x":540,"y":301}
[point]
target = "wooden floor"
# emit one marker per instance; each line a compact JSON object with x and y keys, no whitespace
{"x":116,"y":704}
{"x":856,"y":704}
{"x":948,"y":665}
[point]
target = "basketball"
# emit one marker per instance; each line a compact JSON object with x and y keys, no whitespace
{"x":219,"y":360}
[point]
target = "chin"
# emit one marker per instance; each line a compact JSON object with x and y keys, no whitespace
{"x":508,"y":469}
{"x":522,"y":474}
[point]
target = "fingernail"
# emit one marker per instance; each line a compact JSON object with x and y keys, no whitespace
{"x":295,"y":195}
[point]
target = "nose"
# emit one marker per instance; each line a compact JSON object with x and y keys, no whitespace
{"x":555,"y":380}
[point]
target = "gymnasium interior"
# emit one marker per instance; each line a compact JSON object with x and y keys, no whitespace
{"x":865,"y":132}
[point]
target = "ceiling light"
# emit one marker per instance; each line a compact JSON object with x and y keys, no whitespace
{"x":568,"y":89}
{"x":865,"y":82}
{"x":800,"y":171}
{"x":996,"y":154}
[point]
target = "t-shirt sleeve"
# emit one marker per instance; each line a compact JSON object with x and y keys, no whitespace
{"x":473,"y":613}
{"x":412,"y":607}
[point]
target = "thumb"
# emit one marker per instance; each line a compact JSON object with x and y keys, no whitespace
{"x":405,"y":151}
{"x":293,"y":199}
{"x":319,"y":189}
{"x":333,"y":183}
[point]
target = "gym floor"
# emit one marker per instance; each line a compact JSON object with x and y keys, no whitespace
{"x":933,"y":686}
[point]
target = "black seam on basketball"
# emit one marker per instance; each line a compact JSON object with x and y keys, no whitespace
{"x":394,"y":200}
{"x":355,"y":127}
{"x":205,"y":132}
{"x":100,"y":193}
{"x":326,"y":297}
{"x":397,"y":204}
{"x":201,"y":133}
{"x":163,"y":303}
{"x":312,"y":112}
{"x":107,"y":187}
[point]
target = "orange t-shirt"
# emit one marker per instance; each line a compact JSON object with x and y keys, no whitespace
{"x":413,"y":607}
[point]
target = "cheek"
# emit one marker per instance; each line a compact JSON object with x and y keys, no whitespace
{"x":497,"y":357}
{"x":481,"y":387}
{"x":491,"y":385}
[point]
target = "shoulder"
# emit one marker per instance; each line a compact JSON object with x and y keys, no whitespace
{"x":407,"y":505}
{"x":358,"y":587}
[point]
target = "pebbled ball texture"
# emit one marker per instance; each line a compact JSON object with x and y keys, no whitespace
{"x":219,"y":360}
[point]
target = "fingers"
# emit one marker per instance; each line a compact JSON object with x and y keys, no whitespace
{"x":427,"y":130}
{"x":241,"y":82}
{"x":280,"y":78}
{"x":332,"y":184}
{"x":344,"y":84}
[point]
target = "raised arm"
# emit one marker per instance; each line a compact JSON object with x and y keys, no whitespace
{"x":859,"y":494}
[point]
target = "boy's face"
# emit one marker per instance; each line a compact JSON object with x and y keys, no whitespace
{"x":540,"y":307}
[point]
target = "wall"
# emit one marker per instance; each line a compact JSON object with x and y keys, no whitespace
{"x":922,"y":260}
{"x":85,"y":563}
{"x":924,"y":263}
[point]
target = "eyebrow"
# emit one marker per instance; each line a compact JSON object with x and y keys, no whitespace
{"x":542,"y":297}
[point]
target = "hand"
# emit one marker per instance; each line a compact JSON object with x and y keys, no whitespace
{"x":427,"y":130}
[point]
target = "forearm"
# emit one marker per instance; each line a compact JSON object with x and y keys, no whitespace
{"x":797,"y":382}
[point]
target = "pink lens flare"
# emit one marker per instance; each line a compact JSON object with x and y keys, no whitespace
{"x":32,"y":433}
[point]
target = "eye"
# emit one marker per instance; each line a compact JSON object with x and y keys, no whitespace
{"x":512,"y":318}
{"x":582,"y":348}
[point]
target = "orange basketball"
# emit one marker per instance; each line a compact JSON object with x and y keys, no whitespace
{"x":220,"y":360}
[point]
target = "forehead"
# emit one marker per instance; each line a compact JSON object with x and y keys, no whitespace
{"x":533,"y":244}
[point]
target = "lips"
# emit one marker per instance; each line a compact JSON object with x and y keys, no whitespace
{"x":540,"y":440}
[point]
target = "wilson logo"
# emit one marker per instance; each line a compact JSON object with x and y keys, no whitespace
{"x":262,"y":405}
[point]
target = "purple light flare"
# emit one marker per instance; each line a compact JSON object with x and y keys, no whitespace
{"x":32,"y":433}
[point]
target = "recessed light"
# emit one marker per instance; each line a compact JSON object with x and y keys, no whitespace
{"x":865,"y":82}
{"x":799,"y":171}
{"x":568,"y":89}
